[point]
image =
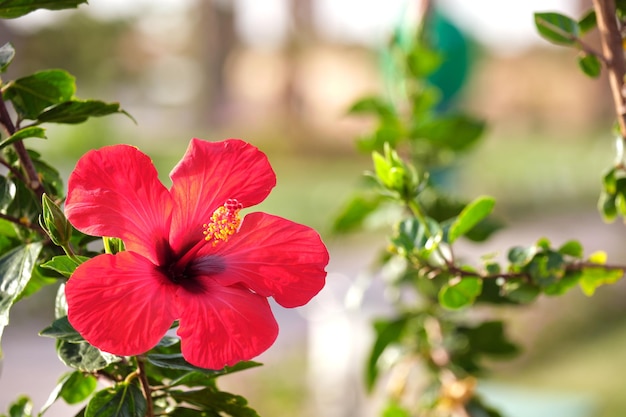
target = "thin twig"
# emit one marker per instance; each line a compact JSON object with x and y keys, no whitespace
{"x":614,"y":54}
{"x":463,"y":273}
{"x":22,"y":223}
{"x":145,"y":385}
{"x":16,"y":173}
{"x":31,"y":172}
{"x":579,"y":42}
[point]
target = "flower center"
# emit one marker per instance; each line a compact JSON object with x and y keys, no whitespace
{"x":224,"y":223}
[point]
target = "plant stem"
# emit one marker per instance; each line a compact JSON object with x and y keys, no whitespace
{"x":33,"y":182}
{"x":613,"y":52}
{"x":17,"y":221}
{"x":145,"y":385}
{"x":571,"y":267}
{"x":14,"y":171}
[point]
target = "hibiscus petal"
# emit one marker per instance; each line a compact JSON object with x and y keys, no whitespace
{"x":115,"y":192}
{"x":224,"y":325}
{"x":209,"y":174}
{"x":120,"y":303}
{"x":273,"y":257}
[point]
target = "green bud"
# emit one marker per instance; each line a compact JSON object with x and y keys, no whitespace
{"x":54,"y":222}
{"x":396,"y":175}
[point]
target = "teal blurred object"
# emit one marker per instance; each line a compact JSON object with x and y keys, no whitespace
{"x":518,"y":402}
{"x":444,"y":37}
{"x":447,"y":39}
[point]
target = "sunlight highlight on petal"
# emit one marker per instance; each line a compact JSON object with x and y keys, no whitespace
{"x":115,"y":192}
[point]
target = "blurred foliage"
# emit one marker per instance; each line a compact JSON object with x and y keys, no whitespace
{"x":433,"y":328}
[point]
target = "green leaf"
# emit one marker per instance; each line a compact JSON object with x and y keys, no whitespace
{"x":609,"y":181}
{"x":471,"y":215}
{"x":174,"y":361}
{"x":8,"y":236}
{"x":607,"y":206}
{"x":22,"y":407}
{"x":373,"y":105}
{"x":10,"y":9}
{"x":382,"y":168}
{"x":395,"y":410}
{"x":122,"y":400}
{"x":489,"y":338}
{"x":354,"y":213}
{"x":567,"y":282}
{"x":33,"y":94}
{"x":557,"y":28}
{"x":178,"y":362}
{"x":16,"y":268}
{"x":422,"y":61}
{"x":572,"y":248}
{"x":388,"y":332}
{"x":590,"y":64}
{"x":620,"y":196}
{"x":62,"y":329}
{"x":37,"y":281}
{"x":211,"y":400}
{"x":520,"y":256}
{"x":25,"y":206}
{"x":179,"y":374}
{"x":206,"y":377}
{"x":27,"y":132}
{"x":7,"y":193}
{"x":454,"y":132}
{"x":388,"y":131}
{"x":7,"y":52}
{"x":77,"y":111}
{"x":423,"y":101}
{"x":411,"y":236}
{"x":83,"y":356}
{"x":543,"y":244}
{"x":194,"y":379}
{"x":78,"y":387}
{"x":594,"y":277}
{"x":546,"y":268}
{"x":520,"y":291}
{"x":64,"y":264}
{"x":52,"y":180}
{"x":73,"y":387}
{"x":461,"y":293}
{"x":588,"y":22}
{"x":60,"y":303}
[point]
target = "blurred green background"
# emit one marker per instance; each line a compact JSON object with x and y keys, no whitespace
{"x":281,"y":77}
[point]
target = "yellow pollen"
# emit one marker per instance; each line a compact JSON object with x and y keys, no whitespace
{"x":224,"y":223}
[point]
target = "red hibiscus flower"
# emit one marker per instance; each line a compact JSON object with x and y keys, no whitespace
{"x":189,"y":256}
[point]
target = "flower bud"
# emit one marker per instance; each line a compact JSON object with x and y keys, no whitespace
{"x":54,"y":222}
